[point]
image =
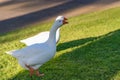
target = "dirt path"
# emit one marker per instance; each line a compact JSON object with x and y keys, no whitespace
{"x":20,"y":13}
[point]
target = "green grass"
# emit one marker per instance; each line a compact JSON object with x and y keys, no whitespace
{"x":89,"y":49}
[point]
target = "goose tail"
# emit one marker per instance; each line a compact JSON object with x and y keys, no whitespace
{"x":10,"y":52}
{"x":22,"y":41}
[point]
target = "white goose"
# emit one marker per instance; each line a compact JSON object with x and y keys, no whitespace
{"x":34,"y":56}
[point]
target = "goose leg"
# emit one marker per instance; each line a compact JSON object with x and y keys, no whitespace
{"x":31,"y":70}
{"x":38,"y":73}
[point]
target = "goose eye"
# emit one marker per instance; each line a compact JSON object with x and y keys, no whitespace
{"x":60,"y":21}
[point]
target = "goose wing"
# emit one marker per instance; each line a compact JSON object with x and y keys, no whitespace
{"x":39,"y":38}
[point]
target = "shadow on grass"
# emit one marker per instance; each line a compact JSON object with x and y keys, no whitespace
{"x":97,"y":60}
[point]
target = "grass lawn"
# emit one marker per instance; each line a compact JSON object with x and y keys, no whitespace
{"x":89,"y":49}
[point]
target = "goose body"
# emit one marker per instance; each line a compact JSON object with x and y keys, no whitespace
{"x":40,"y":38}
{"x":33,"y":56}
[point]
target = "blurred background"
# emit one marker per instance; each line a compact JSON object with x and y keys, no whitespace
{"x":19,"y":13}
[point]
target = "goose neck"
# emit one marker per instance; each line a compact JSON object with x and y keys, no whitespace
{"x":52,"y":35}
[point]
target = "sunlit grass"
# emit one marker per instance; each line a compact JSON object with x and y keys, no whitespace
{"x":89,"y":49}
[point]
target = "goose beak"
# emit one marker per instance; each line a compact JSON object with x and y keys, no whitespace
{"x":65,"y":21}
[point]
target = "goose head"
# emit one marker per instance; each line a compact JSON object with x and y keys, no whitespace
{"x":60,"y":20}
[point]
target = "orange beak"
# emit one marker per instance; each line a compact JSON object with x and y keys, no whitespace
{"x":65,"y":21}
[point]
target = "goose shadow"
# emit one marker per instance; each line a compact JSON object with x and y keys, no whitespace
{"x":97,"y":60}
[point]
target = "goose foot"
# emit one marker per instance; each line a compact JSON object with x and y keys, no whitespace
{"x":31,"y":70}
{"x":38,"y":73}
